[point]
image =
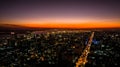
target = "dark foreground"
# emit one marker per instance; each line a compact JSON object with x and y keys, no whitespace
{"x":58,"y":48}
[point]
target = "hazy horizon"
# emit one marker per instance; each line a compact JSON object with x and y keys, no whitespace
{"x":61,"y":13}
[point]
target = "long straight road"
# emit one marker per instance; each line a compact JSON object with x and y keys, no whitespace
{"x":83,"y":58}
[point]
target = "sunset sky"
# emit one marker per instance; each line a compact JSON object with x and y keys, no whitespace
{"x":61,"y":14}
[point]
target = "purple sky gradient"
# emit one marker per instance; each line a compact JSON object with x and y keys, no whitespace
{"x":43,"y":10}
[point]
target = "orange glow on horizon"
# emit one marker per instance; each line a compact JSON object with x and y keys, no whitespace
{"x":78,"y":25}
{"x":50,"y":24}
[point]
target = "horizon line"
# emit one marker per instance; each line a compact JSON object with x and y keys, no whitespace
{"x":68,"y":27}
